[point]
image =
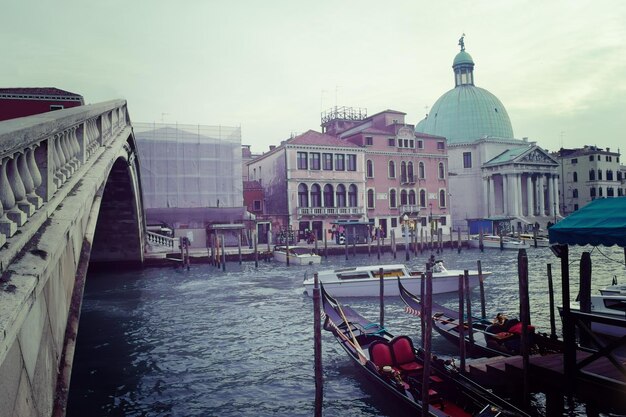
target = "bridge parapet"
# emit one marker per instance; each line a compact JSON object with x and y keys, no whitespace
{"x":38,"y":154}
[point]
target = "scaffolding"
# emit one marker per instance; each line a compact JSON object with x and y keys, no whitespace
{"x":189,"y":166}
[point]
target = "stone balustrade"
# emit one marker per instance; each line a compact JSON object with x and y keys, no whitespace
{"x":39,"y":154}
{"x":157,"y":239}
{"x":330,"y":211}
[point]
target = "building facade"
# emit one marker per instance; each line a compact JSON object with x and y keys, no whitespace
{"x":406,"y":173}
{"x":311,"y":182}
{"x":22,"y":102}
{"x":588,"y":173}
{"x":492,"y":174}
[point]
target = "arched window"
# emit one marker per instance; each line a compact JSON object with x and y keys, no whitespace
{"x":352,"y":194}
{"x":421,"y":170}
{"x":392,"y":169}
{"x":592,"y":192}
{"x":328,"y":196}
{"x":316,"y":196}
{"x":609,"y":175}
{"x":592,"y":175}
{"x":403,"y":198}
{"x":575,"y":193}
{"x":303,"y":195}
{"x":422,"y":198}
{"x":599,"y":175}
{"x":442,"y":198}
{"x":575,"y":177}
{"x":409,"y":169}
{"x":370,"y":198}
{"x":599,"y":191}
{"x":393,"y":203}
{"x":403,"y":172}
{"x":341,"y":195}
{"x":412,"y":197}
{"x":370,"y":169}
{"x":442,"y":173}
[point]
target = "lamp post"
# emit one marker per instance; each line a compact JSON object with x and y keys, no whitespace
{"x":405,"y":226}
{"x":554,"y":204}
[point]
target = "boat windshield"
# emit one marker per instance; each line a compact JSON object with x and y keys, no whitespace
{"x":300,"y":251}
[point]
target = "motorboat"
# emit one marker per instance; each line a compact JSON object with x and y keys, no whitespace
{"x":608,"y":306}
{"x":542,"y":241}
{"x":364,"y":281}
{"x":298,"y":255}
{"x":615,"y":289}
{"x":493,"y":241}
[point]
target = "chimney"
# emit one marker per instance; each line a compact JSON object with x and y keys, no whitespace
{"x":272,"y":147}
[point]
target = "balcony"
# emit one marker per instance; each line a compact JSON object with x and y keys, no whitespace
{"x":407,"y":179}
{"x":330,"y":211}
{"x":411,"y":209}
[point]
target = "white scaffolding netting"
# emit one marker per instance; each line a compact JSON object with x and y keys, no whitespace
{"x":187,"y":166}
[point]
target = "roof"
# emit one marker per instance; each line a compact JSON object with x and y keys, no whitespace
{"x":38,"y":91}
{"x":252,"y":185}
{"x":601,"y":222}
{"x":507,"y":156}
{"x":462,"y":58}
{"x":311,"y":137}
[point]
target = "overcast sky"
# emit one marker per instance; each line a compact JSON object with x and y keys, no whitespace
{"x":271,"y":67}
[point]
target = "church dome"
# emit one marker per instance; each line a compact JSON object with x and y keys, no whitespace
{"x":466,"y":113}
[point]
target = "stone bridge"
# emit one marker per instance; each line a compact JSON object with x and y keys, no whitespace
{"x":70,"y":195}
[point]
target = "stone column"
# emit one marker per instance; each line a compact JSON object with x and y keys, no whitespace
{"x":542,"y":206}
{"x":529,"y":195}
{"x":505,"y":194}
{"x":551,"y":199}
{"x":486,"y":194}
{"x":556,"y":194}
{"x":492,"y":197}
{"x":517,"y":195}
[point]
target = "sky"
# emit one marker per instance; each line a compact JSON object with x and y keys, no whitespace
{"x":272,"y":66}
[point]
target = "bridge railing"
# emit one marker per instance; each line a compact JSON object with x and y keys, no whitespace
{"x":166,"y":241}
{"x":38,"y":154}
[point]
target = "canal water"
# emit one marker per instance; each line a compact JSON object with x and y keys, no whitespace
{"x":204,"y":342}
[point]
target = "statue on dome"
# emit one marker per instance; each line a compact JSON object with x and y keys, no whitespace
{"x":462,"y":43}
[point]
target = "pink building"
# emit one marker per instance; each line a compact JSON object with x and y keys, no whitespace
{"x":406,"y":174}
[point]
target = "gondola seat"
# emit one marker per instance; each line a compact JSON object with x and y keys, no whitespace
{"x":380,"y":354}
{"x":404,"y":355}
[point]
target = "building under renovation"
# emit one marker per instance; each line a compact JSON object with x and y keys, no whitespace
{"x":191,"y":178}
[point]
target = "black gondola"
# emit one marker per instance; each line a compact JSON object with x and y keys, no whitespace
{"x":395,"y":365}
{"x":488,"y":339}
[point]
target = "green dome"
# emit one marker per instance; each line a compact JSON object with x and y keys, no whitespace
{"x":462,"y":58}
{"x":465,"y":114}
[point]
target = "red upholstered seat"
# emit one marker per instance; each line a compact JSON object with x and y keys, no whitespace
{"x":404,"y":354}
{"x":380,"y":354}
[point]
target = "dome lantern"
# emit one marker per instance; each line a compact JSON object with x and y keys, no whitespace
{"x":463,"y":66}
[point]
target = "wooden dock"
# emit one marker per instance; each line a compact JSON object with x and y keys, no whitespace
{"x":600,"y":382}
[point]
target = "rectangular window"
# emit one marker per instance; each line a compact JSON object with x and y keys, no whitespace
{"x":315,"y":160}
{"x":351,"y":162}
{"x":257,"y":205}
{"x":411,"y":143}
{"x":591,"y":157}
{"x":56,"y":107}
{"x":440,"y":145}
{"x":575,"y":161}
{"x":467,"y":159}
{"x":302,"y":160}
{"x":328,"y":161}
{"x":420,"y":144}
{"x":340,"y":162}
{"x":394,"y":222}
{"x":369,"y":141}
{"x":442,"y":221}
{"x":391,"y":141}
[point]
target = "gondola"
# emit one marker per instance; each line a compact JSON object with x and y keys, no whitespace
{"x":488,"y":339}
{"x":395,"y":366}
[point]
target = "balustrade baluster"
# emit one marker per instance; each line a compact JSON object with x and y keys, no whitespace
{"x":11,"y":218}
{"x":59,"y":178}
{"x":76,"y":158}
{"x":17,"y":184}
{"x":35,"y":177}
{"x":67,"y":166}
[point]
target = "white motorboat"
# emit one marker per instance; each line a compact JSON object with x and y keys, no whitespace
{"x":542,"y":241}
{"x":298,"y":255}
{"x":612,"y":306}
{"x":614,"y":290}
{"x":364,"y":281}
{"x":493,"y":241}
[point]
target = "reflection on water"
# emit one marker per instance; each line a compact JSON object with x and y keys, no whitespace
{"x":166,"y":342}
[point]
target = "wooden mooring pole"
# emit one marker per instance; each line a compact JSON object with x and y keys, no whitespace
{"x":461,"y":323}
{"x":458,"y":244}
{"x":468,"y":301}
{"x":378,"y":238}
{"x":239,"y":248}
{"x":381,"y":274}
{"x":317,"y":348}
{"x":551,"y":296}
{"x":325,"y":246}
{"x":584,"y":294}
{"x":427,"y":342}
{"x":223,"y":253}
{"x":481,"y":284}
{"x":522,"y":272}
{"x":393,"y":243}
{"x":256,"y":251}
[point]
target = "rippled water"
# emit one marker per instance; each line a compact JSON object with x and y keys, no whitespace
{"x":166,"y":342}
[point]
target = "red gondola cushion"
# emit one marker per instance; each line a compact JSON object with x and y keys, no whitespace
{"x":404,"y":354}
{"x":380,"y":353}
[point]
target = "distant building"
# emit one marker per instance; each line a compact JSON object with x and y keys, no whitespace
{"x":191,"y":178}
{"x":406,"y":173}
{"x":492,"y":175}
{"x":588,"y":173}
{"x":310,"y":182}
{"x":22,"y":102}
